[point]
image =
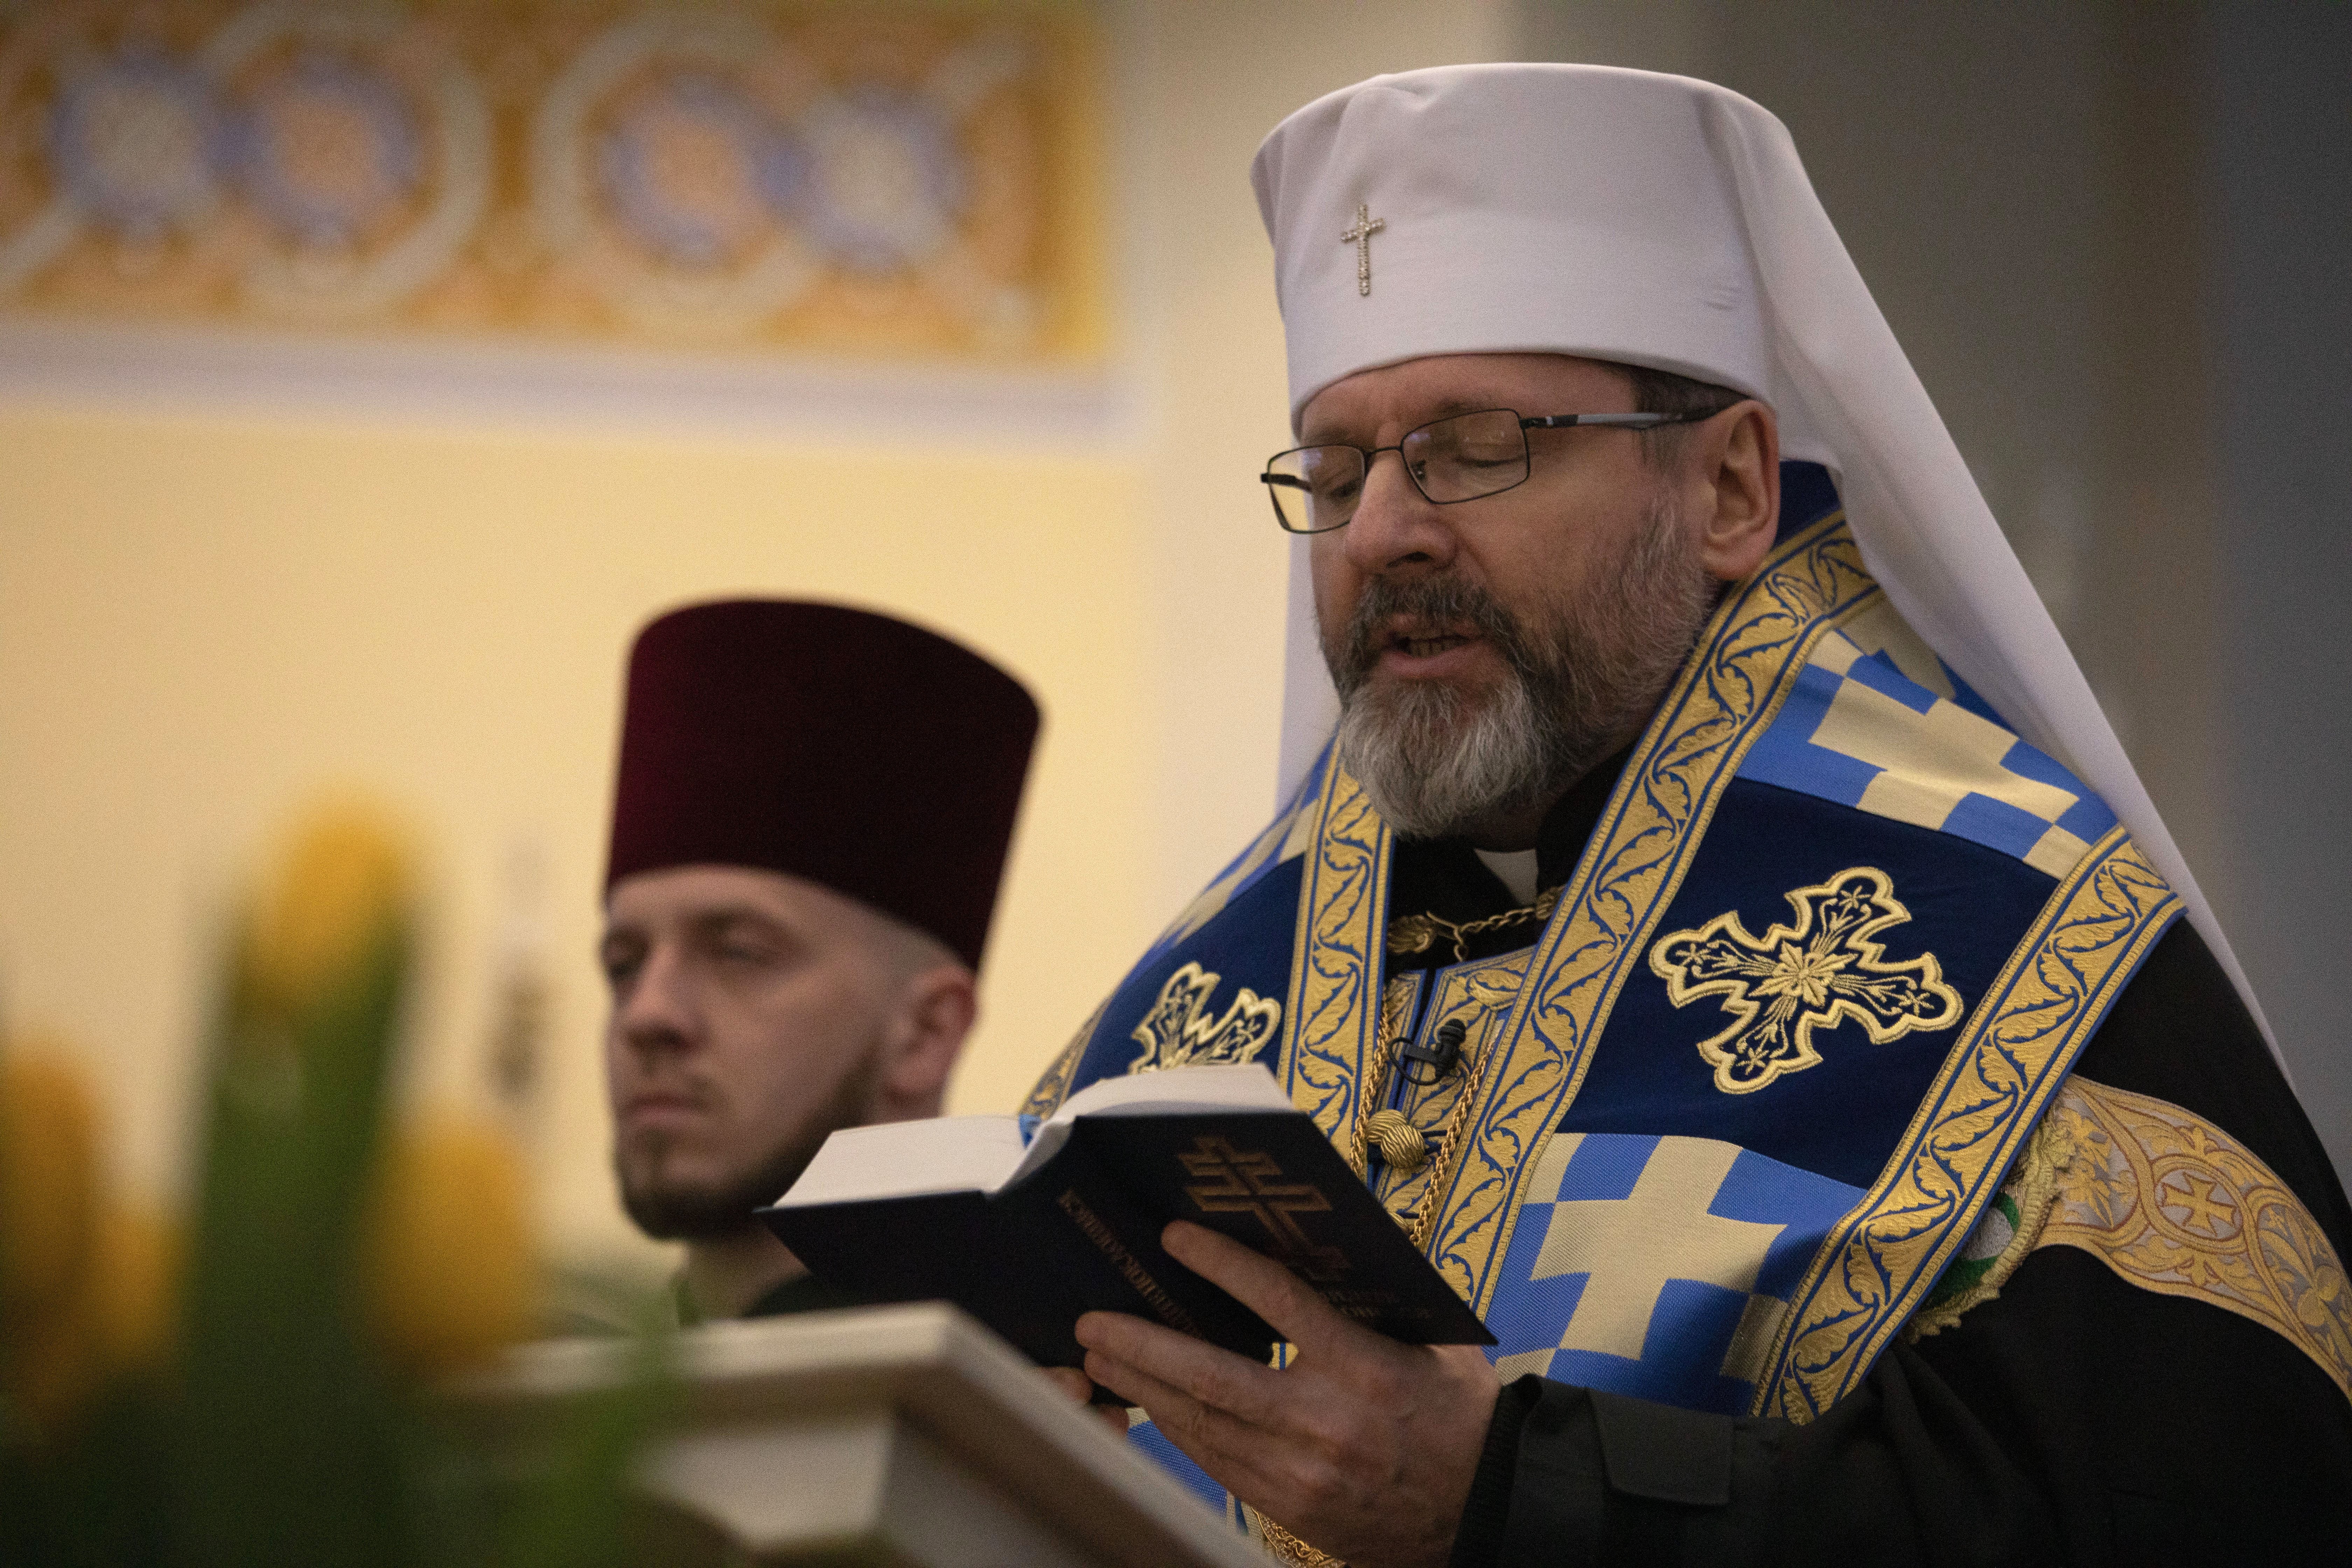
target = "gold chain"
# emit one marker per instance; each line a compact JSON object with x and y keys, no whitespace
{"x":1410,"y":934}
{"x":1358,"y":1151}
{"x":1449,"y":1145}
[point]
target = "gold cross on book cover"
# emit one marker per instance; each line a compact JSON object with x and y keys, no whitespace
{"x":1026,"y":1235}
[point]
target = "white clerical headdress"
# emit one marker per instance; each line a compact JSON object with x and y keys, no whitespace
{"x":1657,"y":221}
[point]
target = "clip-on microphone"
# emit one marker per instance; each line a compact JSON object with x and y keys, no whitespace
{"x":1439,"y":1055}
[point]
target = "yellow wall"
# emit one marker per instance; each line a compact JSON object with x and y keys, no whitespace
{"x":199,"y":621}
{"x":203,"y":617}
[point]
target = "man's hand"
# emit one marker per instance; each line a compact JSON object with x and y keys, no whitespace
{"x":1075,"y":1386}
{"x":1361,"y":1446}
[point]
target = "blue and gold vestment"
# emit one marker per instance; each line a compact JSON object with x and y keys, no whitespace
{"x":1827,"y":957}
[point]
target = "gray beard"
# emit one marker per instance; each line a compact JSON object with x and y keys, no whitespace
{"x":1436,"y":762}
{"x":711,"y":1212}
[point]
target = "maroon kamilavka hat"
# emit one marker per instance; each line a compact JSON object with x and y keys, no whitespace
{"x":880,"y":759}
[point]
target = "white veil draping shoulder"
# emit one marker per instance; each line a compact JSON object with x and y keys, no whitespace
{"x":1662,"y":221}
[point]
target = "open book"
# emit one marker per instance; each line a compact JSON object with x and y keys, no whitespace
{"x":1025,"y":1234}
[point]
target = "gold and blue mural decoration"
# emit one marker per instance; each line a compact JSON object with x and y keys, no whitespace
{"x":831,"y":179}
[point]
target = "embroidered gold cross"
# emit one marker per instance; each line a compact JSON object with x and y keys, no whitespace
{"x":1182,"y":1031}
{"x":1795,"y":979}
{"x":1247,"y":1181}
{"x":1360,"y":236}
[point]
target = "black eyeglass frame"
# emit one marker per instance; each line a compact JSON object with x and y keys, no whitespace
{"x":1273,"y":480}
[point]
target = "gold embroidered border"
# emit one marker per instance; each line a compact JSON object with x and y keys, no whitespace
{"x":1331,"y":1026}
{"x":1053,"y":1085}
{"x":2243,"y":1242}
{"x":1874,"y":1270}
{"x":1285,"y":1548}
{"x":1724,"y":698}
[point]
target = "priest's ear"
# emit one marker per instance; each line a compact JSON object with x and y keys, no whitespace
{"x":936,"y":1002}
{"x":1731,"y":487}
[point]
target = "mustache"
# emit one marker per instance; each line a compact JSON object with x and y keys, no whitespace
{"x":1448,"y":599}
{"x":1584,"y":664}
{"x":696,"y":1091}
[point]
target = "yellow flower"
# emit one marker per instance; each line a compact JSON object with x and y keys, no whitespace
{"x":137,"y":1277}
{"x":50,"y":1182}
{"x":85,"y":1285}
{"x":343,"y":885}
{"x":450,"y":1274}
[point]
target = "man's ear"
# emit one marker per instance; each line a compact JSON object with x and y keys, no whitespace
{"x":936,"y":1011}
{"x":1737,"y":482}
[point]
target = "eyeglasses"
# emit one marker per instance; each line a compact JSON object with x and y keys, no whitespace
{"x":1315,"y":489}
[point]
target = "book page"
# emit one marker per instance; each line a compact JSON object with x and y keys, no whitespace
{"x":908,"y":1159}
{"x":1176,"y":1091}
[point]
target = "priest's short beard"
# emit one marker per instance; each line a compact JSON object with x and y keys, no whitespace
{"x":1437,"y":761}
{"x":715,"y":1211}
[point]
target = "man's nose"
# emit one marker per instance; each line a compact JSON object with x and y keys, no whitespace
{"x":658,"y":1012}
{"x":1396,"y":528}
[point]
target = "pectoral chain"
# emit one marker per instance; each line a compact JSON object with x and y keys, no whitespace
{"x":1411,"y":934}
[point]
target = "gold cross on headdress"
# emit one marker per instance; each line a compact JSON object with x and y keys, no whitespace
{"x":1794,"y":979}
{"x":1360,"y":236}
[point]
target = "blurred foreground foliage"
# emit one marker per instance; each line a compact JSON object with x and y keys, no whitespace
{"x":263,"y":1394}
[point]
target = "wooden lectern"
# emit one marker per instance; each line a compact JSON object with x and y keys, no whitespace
{"x":900,"y":1436}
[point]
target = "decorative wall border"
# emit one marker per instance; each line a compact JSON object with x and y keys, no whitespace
{"x":173,"y":369}
{"x":903,"y":181}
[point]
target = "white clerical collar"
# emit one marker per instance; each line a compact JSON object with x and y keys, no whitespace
{"x":1516,"y":869}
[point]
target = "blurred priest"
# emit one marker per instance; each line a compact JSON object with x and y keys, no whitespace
{"x":1712,"y":913}
{"x":809,"y":828}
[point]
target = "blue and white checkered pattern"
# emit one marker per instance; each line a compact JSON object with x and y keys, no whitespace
{"x":1857,"y":730}
{"x":1657,"y":1266}
{"x":1149,"y":1440}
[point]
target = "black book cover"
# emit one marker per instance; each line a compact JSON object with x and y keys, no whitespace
{"x":1081,"y":1233}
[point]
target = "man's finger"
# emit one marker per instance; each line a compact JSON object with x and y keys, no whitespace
{"x":1288,"y":1304}
{"x":1076,"y":1386}
{"x":1070,"y":1382}
{"x":1215,"y":1377}
{"x":1231,"y":1451}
